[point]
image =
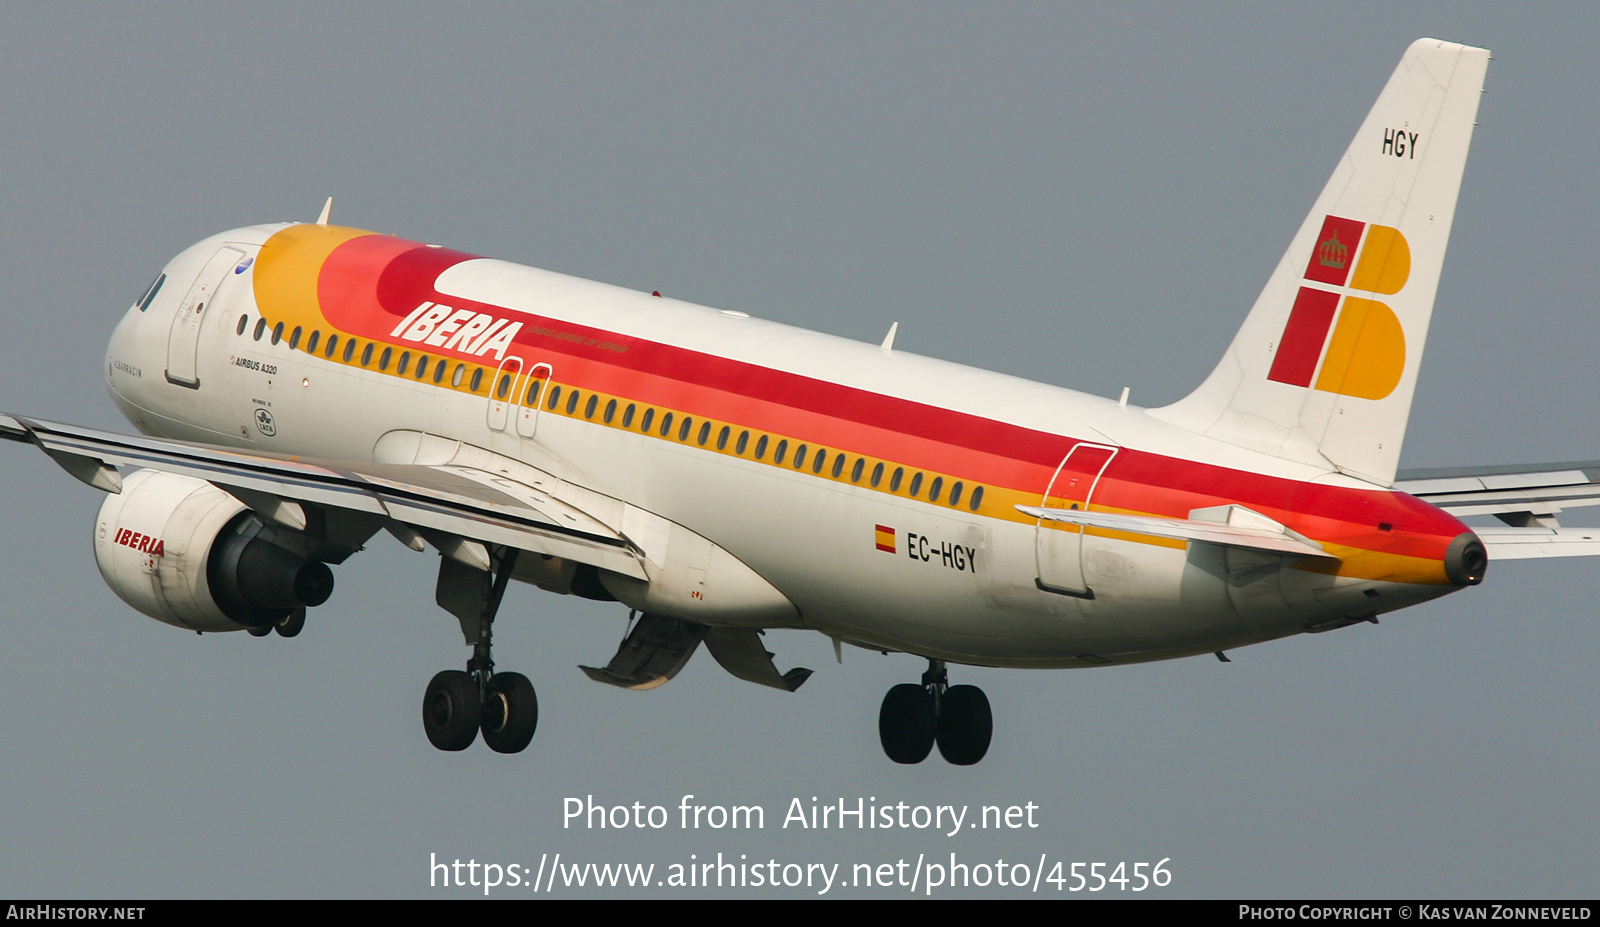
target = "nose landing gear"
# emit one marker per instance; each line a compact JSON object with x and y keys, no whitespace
{"x":915,"y":717}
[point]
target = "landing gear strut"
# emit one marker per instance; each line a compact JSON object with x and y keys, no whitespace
{"x":458,"y":704}
{"x":915,"y":717}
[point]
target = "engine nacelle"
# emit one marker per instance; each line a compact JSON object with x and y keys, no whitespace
{"x":184,"y":552}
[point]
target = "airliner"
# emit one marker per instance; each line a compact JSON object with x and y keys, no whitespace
{"x":300,"y":388}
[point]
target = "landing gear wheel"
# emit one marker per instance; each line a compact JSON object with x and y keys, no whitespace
{"x":907,"y":723}
{"x":965,"y":725}
{"x":510,"y":713}
{"x":290,"y":625}
{"x":451,"y":710}
{"x":260,"y":630}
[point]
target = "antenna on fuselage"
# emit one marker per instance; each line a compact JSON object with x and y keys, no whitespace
{"x":888,"y":340}
{"x":326,"y":208}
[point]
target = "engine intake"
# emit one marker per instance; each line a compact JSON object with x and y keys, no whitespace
{"x":184,"y":552}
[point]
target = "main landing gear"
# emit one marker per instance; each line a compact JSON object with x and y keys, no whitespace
{"x":914,"y":717}
{"x":459,"y":704}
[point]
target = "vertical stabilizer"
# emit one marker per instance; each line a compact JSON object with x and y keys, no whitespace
{"x":1324,"y":369}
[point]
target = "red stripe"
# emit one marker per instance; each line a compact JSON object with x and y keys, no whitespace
{"x":368,"y":284}
{"x":1303,"y":337}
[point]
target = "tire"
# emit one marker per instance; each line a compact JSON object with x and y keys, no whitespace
{"x":260,"y":630}
{"x":965,"y":725}
{"x":511,"y":713}
{"x":450,"y":710}
{"x":907,"y":724}
{"x":291,"y":624}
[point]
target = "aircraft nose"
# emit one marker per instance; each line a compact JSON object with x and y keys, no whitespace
{"x":1465,"y":560}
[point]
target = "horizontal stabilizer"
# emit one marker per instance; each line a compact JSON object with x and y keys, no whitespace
{"x":1247,"y":537}
{"x":1523,"y":495}
{"x":1537,"y":543}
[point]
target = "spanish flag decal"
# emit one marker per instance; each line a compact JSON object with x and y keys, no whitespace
{"x":885,"y":539}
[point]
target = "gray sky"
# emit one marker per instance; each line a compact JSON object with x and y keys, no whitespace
{"x":1086,"y":195}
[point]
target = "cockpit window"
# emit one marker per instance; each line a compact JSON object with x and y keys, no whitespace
{"x":150,"y":293}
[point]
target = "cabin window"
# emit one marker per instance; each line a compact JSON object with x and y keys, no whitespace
{"x":916,"y":484}
{"x":627,"y":416}
{"x":648,"y":420}
{"x":277,"y":333}
{"x":955,"y":493}
{"x":977,"y":498}
{"x":877,"y":474}
{"x":422,"y":367}
{"x":383,"y":361}
{"x":761,"y":447}
{"x":261,"y":328}
{"x":366,"y":355}
{"x":742,"y":443}
{"x":683,"y":430}
{"x":311,"y":343}
{"x":666,"y":424}
{"x":800,"y":457}
{"x":588,"y":408}
{"x":349,"y":350}
{"x":783,"y":448}
{"x":611,"y":411}
{"x":572,"y":402}
{"x":439,"y":369}
{"x":294,"y":338}
{"x":333,"y":343}
{"x":531,"y":400}
{"x":894,"y":481}
{"x":405,"y":363}
{"x":838,"y":466}
{"x":855,"y":471}
{"x":501,"y":391}
{"x":244,"y":321}
{"x":477,"y":379}
{"x":555,"y":397}
{"x":455,"y":378}
{"x":705,"y":433}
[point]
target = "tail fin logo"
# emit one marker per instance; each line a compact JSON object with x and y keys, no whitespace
{"x":1331,"y":253}
{"x":1366,"y":353}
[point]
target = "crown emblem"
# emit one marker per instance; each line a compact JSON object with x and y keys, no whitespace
{"x":1332,"y":253}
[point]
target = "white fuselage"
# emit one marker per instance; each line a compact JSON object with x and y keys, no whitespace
{"x":958,"y":584}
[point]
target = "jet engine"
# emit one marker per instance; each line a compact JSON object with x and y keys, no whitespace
{"x":184,"y":552}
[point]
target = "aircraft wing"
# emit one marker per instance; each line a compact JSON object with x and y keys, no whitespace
{"x":458,"y":501}
{"x":1527,"y":497}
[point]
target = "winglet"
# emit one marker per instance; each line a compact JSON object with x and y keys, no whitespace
{"x":326,"y":208}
